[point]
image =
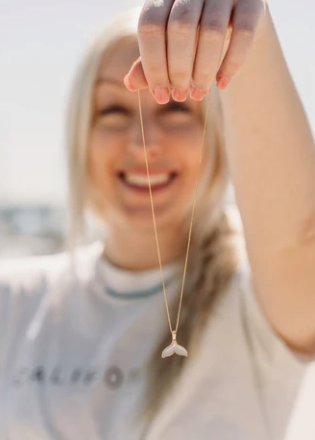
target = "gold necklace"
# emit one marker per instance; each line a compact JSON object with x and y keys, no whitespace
{"x":174,"y":347}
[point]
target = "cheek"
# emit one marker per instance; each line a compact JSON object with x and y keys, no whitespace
{"x":102,"y":156}
{"x":187,"y":147}
{"x":189,"y":151}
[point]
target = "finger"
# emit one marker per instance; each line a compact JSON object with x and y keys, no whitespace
{"x":212,"y":35}
{"x":182,"y":30}
{"x":152,"y":44}
{"x":245,"y":22}
{"x":135,"y":78}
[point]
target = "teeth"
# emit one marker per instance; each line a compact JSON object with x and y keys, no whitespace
{"x":142,"y":180}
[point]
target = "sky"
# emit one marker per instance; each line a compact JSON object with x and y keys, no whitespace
{"x":41,"y":44}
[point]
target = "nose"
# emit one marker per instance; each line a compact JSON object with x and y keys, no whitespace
{"x":152,"y":138}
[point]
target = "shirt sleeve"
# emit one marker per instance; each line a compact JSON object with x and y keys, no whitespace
{"x":24,"y":283}
{"x":279,"y":370}
{"x":21,"y":284}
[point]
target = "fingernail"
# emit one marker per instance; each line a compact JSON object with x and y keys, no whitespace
{"x":197,"y":94}
{"x":179,"y":95}
{"x":222,"y":82}
{"x":162,"y":95}
{"x":128,"y":85}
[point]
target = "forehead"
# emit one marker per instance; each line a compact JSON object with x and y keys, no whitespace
{"x":118,"y":63}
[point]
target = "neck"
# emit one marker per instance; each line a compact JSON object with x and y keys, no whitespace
{"x":136,"y":249}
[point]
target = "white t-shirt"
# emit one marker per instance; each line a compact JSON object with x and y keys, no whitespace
{"x":73,"y":350}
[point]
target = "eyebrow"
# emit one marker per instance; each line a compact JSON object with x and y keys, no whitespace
{"x":112,"y":81}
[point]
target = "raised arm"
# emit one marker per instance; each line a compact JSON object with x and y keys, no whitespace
{"x":272,"y":160}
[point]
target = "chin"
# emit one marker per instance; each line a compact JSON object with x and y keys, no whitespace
{"x":144,"y":220}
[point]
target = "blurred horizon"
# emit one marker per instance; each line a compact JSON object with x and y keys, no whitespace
{"x":41,"y":45}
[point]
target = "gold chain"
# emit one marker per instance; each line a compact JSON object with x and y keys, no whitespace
{"x":191,"y":222}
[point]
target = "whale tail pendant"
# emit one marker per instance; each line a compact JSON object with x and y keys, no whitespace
{"x":174,"y":347}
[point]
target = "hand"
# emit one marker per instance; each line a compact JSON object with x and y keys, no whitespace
{"x":185,"y":44}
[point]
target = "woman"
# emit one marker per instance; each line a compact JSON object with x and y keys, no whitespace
{"x":82,"y":332}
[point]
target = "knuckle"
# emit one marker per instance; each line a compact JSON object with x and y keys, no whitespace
{"x":210,"y":32}
{"x":245,"y":34}
{"x":203,"y":81}
{"x":181,"y":27}
{"x":182,"y":10}
{"x":231,"y":66}
{"x":245,"y":30}
{"x":179,"y":77}
{"x":214,"y":24}
{"x":234,"y":64}
{"x":231,"y":70}
{"x":151,"y":24}
{"x":151,"y":70}
{"x":182,"y":18}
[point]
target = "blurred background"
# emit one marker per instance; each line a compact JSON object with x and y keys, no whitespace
{"x":41,"y":43}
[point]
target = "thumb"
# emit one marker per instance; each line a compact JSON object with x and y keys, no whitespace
{"x":135,"y":78}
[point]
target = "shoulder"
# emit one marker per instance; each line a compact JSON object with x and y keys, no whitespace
{"x":26,"y":278}
{"x":24,"y":285}
{"x":27,"y":274}
{"x":30,"y":284}
{"x":28,"y":271}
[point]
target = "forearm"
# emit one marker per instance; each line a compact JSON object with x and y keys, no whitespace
{"x":270,"y":148}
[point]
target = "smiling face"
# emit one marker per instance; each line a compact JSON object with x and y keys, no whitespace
{"x":116,"y":159}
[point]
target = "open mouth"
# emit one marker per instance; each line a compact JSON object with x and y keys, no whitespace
{"x":139,"y":181}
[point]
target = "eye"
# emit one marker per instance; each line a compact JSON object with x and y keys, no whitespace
{"x":177,"y":107}
{"x":112,"y":109}
{"x":114,"y":116}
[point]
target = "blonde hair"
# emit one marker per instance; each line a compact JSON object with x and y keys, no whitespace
{"x":213,"y":255}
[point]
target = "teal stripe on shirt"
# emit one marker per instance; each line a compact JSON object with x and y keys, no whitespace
{"x":136,"y":294}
